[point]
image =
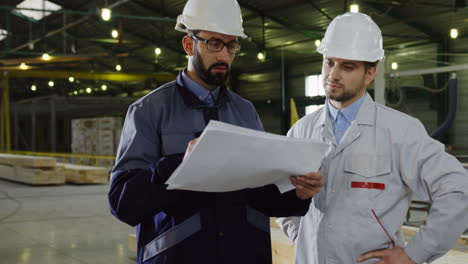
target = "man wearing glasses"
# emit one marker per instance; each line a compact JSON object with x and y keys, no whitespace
{"x":175,"y":226}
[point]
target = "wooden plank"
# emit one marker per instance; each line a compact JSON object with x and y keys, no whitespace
{"x":81,"y":174}
{"x":32,"y":176}
{"x":283,"y":250}
{"x":7,"y":172}
{"x":411,"y":231}
{"x":132,"y":244}
{"x":27,"y":161}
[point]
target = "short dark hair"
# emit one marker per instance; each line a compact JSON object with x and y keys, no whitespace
{"x":192,"y":32}
{"x":368,"y":65}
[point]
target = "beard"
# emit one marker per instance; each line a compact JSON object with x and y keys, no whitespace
{"x":205,"y":74}
{"x":343,"y":97}
{"x":344,"y":94}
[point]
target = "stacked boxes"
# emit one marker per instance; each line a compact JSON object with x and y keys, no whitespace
{"x":96,"y":136}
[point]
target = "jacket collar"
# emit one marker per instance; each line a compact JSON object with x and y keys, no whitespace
{"x":365,"y":115}
{"x":192,"y":101}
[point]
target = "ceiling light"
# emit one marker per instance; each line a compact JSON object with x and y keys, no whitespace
{"x":3,"y":33}
{"x":103,"y":87}
{"x":157,"y":51}
{"x":453,"y":33}
{"x":106,"y":14}
{"x":261,"y":56}
{"x":354,"y":8}
{"x":71,"y":79}
{"x":115,"y":33}
{"x":42,"y":8}
{"x":23,"y":66}
{"x":33,"y":87}
{"x":394,"y":65}
{"x":118,"y":67}
{"x":46,"y":57}
{"x":51,"y":83}
{"x":317,"y":43}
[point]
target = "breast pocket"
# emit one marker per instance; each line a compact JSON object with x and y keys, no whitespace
{"x":367,"y":177}
{"x":175,"y":141}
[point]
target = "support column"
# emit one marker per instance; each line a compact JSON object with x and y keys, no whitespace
{"x":285,"y":118}
{"x":53,"y":126}
{"x":5,"y":125}
{"x":33,"y":125}
{"x":379,"y":87}
{"x":16,"y":129}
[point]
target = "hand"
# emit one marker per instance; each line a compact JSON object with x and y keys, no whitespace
{"x":395,"y":255}
{"x":307,"y":185}
{"x":190,"y":147}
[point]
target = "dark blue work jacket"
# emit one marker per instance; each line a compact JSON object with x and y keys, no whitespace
{"x":176,"y":226}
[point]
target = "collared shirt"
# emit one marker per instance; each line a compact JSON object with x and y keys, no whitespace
{"x":205,"y":95}
{"x":341,"y":119}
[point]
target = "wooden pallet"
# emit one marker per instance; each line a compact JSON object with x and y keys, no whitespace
{"x":32,"y":176}
{"x":27,"y":161}
{"x":283,"y":250}
{"x":81,"y":174}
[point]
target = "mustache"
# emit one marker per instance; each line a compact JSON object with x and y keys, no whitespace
{"x":334,"y":83}
{"x":219,"y":64}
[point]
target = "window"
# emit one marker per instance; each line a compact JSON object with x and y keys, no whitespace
{"x":313,"y":88}
{"x":3,"y":34}
{"x":36,"y":4}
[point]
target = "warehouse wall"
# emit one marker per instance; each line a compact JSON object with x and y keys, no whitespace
{"x":264,"y":90}
{"x":417,"y":102}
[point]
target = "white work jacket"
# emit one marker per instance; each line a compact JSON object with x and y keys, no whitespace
{"x":382,"y":159}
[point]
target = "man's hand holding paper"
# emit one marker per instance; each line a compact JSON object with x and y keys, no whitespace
{"x":228,"y":158}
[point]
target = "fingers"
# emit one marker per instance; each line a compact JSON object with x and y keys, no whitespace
{"x":372,"y":254}
{"x":307,"y":185}
{"x":310,"y":180}
{"x":190,"y":146}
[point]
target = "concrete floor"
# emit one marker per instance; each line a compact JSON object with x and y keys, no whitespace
{"x":60,"y":224}
{"x":72,"y":224}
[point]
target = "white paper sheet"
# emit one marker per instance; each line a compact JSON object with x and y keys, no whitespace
{"x":229,"y":158}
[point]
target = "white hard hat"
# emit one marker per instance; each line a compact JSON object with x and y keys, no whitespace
{"x":353,"y":36}
{"x":222,"y":16}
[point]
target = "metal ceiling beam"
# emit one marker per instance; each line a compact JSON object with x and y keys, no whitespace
{"x":319,"y":10}
{"x":436,"y":37}
{"x":103,"y":76}
{"x":282,"y":7}
{"x":405,"y":3}
{"x":311,"y":33}
{"x":65,"y":27}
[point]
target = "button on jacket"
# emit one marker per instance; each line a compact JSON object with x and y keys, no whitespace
{"x":176,"y":226}
{"x":383,"y":158}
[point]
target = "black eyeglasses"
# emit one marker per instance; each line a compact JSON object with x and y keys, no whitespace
{"x":217,"y":45}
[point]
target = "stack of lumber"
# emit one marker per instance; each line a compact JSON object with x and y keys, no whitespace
{"x":81,"y":174}
{"x":38,"y":170}
{"x":30,"y":169}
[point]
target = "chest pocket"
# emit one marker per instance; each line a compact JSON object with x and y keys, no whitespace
{"x":175,"y":141}
{"x":366,"y":179}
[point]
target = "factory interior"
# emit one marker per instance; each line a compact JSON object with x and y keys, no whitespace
{"x":69,"y":70}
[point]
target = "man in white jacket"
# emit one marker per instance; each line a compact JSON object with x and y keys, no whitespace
{"x":378,"y":158}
